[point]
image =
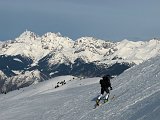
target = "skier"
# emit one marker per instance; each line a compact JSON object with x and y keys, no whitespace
{"x":105,"y":85}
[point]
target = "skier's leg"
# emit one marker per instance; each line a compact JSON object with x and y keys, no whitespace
{"x":99,"y":98}
{"x":107,"y":95}
{"x":102,"y":92}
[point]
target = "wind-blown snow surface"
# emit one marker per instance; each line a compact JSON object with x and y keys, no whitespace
{"x":137,"y":97}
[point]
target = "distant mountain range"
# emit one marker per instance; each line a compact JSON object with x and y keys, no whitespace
{"x":30,"y":58}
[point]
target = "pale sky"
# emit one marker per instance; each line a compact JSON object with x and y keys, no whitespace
{"x":105,"y":19}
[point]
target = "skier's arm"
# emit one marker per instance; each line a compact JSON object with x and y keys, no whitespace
{"x":100,"y":81}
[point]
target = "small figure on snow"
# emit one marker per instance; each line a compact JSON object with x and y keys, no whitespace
{"x":105,"y":85}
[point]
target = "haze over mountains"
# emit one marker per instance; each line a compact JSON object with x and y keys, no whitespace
{"x":30,"y":58}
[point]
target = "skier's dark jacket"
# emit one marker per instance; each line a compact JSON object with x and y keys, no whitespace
{"x":105,"y":82}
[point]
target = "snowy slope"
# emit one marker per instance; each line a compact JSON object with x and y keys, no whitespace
{"x":137,"y":96}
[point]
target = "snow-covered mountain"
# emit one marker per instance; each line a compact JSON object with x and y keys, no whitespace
{"x":51,"y":55}
{"x":89,"y":49}
{"x":136,"y":91}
